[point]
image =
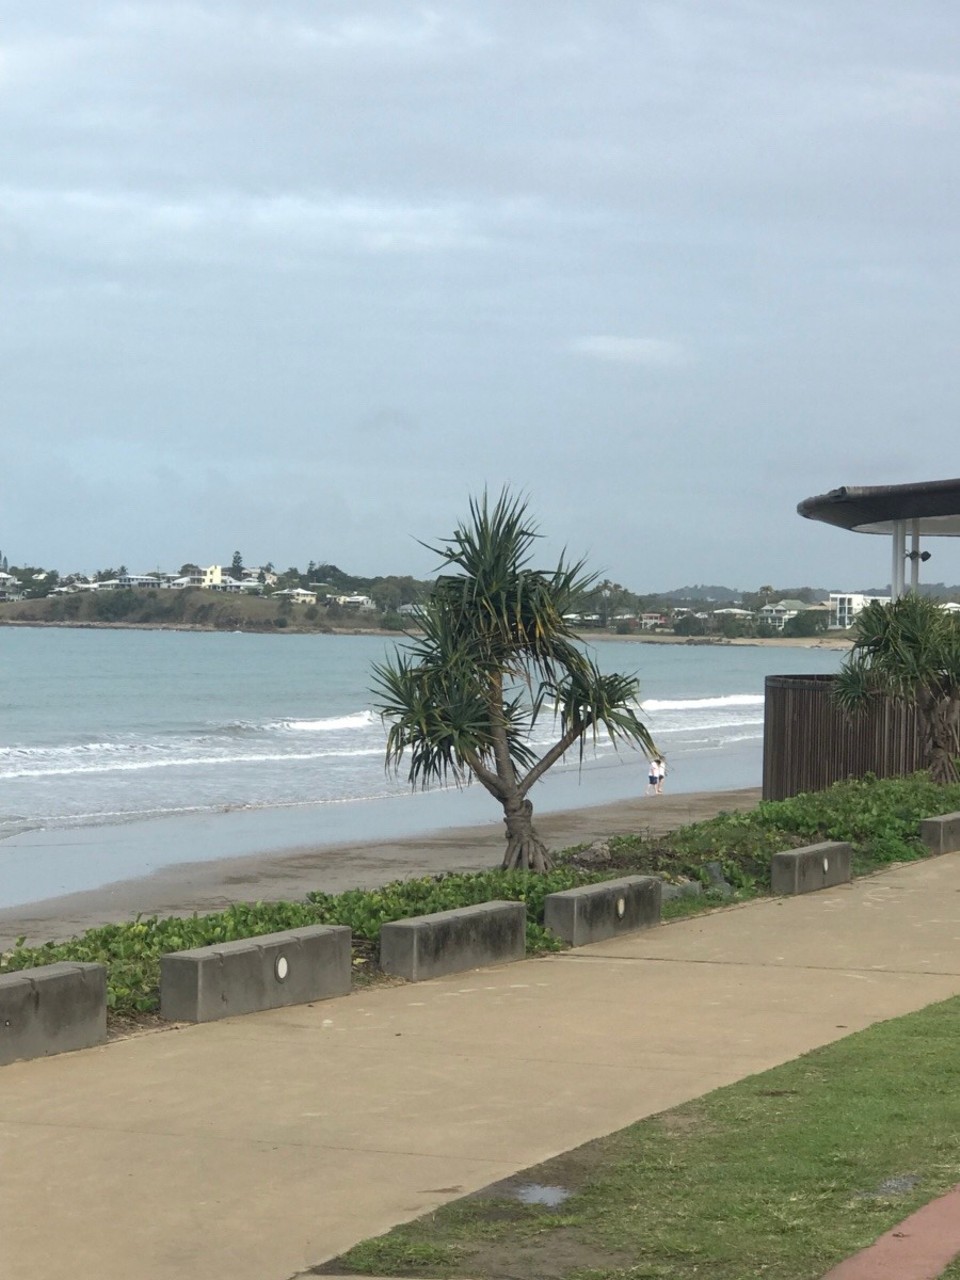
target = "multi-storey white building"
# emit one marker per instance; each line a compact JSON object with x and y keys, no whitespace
{"x":844,"y":607}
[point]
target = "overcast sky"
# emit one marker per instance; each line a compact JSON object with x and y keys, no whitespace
{"x":298,"y":278}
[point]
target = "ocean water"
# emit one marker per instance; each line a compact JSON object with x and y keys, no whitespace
{"x":123,"y":730}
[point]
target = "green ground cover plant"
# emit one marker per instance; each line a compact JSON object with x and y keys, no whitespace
{"x":365,"y":910}
{"x":779,"y":1176}
{"x":131,"y":952}
{"x":879,"y":818}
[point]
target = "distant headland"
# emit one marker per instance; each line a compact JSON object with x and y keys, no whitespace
{"x":324,"y":598}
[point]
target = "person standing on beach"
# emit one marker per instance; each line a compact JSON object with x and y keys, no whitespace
{"x":661,"y":774}
{"x":654,"y":780}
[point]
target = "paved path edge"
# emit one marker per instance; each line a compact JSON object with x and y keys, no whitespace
{"x":918,"y":1248}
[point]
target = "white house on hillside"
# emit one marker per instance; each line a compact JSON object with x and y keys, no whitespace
{"x":778,"y":615}
{"x":363,"y":603}
{"x":845,"y":605}
{"x":209,"y":578}
{"x":297,"y":594}
{"x":125,"y":582}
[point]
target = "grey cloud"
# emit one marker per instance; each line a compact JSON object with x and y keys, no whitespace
{"x":669,"y":268}
{"x":650,"y":352}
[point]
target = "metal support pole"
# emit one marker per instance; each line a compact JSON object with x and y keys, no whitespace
{"x":914,"y":555}
{"x":897,"y":562}
{"x":903,"y":557}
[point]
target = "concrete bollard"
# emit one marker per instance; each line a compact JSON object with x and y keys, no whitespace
{"x":816,"y":866}
{"x":52,"y":1009}
{"x":451,"y":941}
{"x":942,"y":834}
{"x":593,"y":912}
{"x":253,"y":974}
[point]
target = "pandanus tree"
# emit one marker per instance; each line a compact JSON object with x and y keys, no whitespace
{"x":909,"y":651}
{"x":494,"y":656}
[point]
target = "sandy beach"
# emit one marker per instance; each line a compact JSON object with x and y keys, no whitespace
{"x":837,"y":643}
{"x":210,"y":886}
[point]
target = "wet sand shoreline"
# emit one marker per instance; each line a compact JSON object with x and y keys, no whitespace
{"x":291,"y":873}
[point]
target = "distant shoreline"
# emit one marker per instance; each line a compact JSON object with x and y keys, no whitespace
{"x":824,"y":641}
{"x":63,"y":625}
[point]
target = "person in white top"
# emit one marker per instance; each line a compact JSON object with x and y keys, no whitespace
{"x":655,"y":776}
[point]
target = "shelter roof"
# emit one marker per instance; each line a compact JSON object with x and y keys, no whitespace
{"x":934,"y":504}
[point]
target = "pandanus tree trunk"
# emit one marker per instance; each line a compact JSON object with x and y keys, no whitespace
{"x":525,"y":850}
{"x":941,"y":718}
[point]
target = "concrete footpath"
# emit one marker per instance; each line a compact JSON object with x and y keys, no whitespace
{"x":254,"y":1148}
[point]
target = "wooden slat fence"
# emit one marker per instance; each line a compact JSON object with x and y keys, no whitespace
{"x":809,"y":743}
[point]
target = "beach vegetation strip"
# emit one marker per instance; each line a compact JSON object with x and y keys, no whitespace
{"x":726,"y":858}
{"x":781,"y":1176}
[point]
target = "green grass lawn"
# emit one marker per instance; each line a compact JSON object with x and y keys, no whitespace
{"x":779,"y":1176}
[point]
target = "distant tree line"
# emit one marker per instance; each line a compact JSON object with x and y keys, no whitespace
{"x":607,"y":604}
